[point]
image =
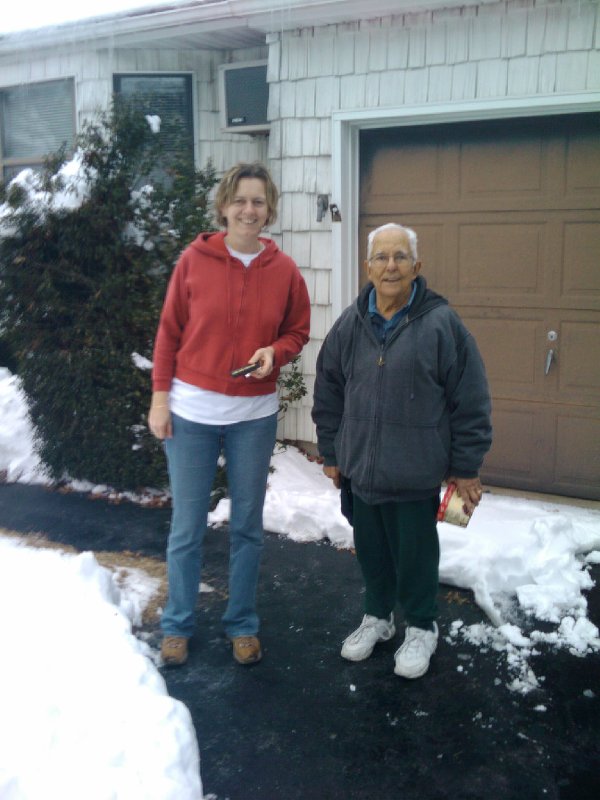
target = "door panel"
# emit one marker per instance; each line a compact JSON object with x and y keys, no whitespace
{"x":509,"y":351}
{"x":501,"y":258}
{"x":579,"y":355}
{"x":577,"y":455}
{"x":581,"y":276}
{"x":514,"y":453}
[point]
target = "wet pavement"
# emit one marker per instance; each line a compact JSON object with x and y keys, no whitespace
{"x":304,"y":723}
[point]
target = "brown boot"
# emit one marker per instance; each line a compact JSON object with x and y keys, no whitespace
{"x":174,"y":650}
{"x":246,"y":649}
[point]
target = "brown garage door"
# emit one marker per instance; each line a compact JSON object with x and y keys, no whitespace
{"x":508,"y":218}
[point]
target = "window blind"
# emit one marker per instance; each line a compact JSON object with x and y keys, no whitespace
{"x":37,"y":119}
{"x":166,"y":96}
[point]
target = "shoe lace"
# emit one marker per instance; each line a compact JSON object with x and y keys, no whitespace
{"x":366,"y":625}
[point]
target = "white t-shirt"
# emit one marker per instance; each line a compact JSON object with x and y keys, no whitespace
{"x":214,"y":408}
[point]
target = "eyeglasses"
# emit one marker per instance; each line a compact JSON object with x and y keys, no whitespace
{"x":382,"y":259}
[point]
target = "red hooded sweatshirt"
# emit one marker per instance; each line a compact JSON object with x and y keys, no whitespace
{"x":217,"y":313}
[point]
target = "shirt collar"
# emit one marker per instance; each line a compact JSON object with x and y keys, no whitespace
{"x":373,"y":304}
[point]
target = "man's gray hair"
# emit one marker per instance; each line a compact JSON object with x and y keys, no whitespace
{"x":412,"y":237}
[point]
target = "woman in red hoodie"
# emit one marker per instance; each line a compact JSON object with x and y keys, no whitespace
{"x":234,"y":299}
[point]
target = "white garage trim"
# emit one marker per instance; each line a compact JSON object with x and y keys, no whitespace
{"x":346,"y":126}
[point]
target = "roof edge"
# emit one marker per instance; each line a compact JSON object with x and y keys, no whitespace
{"x":262,"y":15}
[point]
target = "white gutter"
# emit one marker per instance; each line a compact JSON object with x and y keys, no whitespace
{"x":202,"y":17}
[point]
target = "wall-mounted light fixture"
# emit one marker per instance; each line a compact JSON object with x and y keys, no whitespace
{"x":322,"y":206}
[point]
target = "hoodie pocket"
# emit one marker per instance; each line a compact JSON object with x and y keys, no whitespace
{"x":352,"y":448}
{"x":412,"y":457}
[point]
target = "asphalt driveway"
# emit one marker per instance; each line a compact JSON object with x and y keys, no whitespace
{"x":303,"y":723}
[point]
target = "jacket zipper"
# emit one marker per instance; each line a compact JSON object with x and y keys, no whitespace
{"x":380,"y":363}
{"x":376,"y":419}
{"x":239,"y":313}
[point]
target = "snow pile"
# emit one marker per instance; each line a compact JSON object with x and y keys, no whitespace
{"x":81,"y":702}
{"x":71,"y":183}
{"x":530,"y":549}
{"x":18,"y":460}
{"x":25,"y":16}
{"x":301,"y":502}
{"x":525,"y":562}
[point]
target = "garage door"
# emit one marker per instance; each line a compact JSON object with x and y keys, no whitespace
{"x":508,"y":218}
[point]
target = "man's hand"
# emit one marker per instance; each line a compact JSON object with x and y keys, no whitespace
{"x":334,"y":474}
{"x":469,"y":490}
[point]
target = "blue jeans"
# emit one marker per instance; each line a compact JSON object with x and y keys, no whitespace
{"x":192,"y":456}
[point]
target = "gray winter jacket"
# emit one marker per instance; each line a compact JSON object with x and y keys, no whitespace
{"x":400,"y":417}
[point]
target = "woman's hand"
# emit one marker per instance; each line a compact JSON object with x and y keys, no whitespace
{"x":159,"y":416}
{"x":265,"y":355}
{"x":469,"y":490}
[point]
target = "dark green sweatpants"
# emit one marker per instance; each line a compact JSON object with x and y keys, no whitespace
{"x":398,"y":550}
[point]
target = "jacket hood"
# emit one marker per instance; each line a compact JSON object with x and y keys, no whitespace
{"x":213,"y":244}
{"x":425,"y":299}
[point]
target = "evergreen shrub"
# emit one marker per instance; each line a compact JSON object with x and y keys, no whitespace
{"x":82,"y":280}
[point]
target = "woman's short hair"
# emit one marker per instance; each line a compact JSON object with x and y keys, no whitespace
{"x":229,"y":184}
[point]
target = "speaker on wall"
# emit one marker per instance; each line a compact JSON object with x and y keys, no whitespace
{"x":243,"y":97}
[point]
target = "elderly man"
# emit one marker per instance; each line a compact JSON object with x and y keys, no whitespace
{"x":401,"y":403}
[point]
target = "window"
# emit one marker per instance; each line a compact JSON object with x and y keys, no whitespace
{"x":35,"y":121}
{"x":166,"y":96}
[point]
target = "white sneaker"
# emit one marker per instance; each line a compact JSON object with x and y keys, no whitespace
{"x":372,"y":630}
{"x":412,"y":658}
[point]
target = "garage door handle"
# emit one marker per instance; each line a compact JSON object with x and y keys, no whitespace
{"x":549,"y":360}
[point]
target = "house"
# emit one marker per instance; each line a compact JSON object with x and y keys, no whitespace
{"x":475,"y":121}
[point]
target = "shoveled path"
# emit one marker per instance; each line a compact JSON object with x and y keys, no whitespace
{"x":304,"y":724}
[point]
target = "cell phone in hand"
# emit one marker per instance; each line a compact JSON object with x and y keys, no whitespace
{"x":245,"y":370}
